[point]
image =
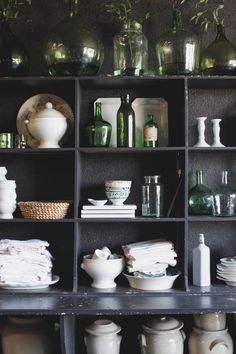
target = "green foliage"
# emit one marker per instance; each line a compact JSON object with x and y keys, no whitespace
{"x":123,"y":10}
{"x":208,"y":12}
{"x":11,"y":8}
{"x":178,"y":3}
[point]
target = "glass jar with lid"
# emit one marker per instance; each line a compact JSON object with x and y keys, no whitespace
{"x":152,"y":197}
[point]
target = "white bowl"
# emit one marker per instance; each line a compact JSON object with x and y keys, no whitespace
{"x":103,"y":271}
{"x":118,"y":183}
{"x":117,"y":196}
{"x":162,"y":283}
{"x":97,"y":202}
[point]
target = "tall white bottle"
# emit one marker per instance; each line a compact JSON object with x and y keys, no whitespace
{"x":201,"y":263}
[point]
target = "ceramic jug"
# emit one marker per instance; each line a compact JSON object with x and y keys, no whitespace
{"x":26,"y":335}
{"x":47,"y":126}
{"x":103,"y":337}
{"x":210,"y":342}
{"x":162,"y":336}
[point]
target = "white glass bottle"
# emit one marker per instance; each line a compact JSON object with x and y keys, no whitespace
{"x":201,"y":263}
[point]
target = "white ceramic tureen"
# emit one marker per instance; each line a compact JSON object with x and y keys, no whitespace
{"x":47,"y":126}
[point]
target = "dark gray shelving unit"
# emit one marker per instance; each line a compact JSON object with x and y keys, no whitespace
{"x":76,"y":172}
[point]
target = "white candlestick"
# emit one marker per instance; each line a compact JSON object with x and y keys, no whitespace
{"x":201,"y":132}
{"x":216,"y":133}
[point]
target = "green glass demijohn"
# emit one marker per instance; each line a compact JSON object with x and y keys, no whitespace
{"x":130,"y":50}
{"x":200,"y":197}
{"x":14,"y":59}
{"x":178,"y":51}
{"x":74,"y":47}
{"x":219,"y":58}
{"x":99,"y":133}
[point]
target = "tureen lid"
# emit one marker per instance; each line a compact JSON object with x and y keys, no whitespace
{"x":103,"y":327}
{"x":49,"y":112}
{"x":162,"y":324}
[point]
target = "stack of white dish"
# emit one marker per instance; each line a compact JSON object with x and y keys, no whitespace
{"x":148,"y":262}
{"x":108,"y":211}
{"x":7,"y":195}
{"x":25,"y":264}
{"x":226,"y":270}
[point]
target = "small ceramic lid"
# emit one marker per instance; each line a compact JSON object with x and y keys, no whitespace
{"x":162,"y":324}
{"x":49,"y":112}
{"x":103,"y":327}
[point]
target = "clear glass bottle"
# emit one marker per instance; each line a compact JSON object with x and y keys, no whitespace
{"x":200,"y":197}
{"x":152,"y":197}
{"x":224,"y":198}
{"x":125,"y":123}
{"x":178,"y":51}
{"x":99,"y":133}
{"x":150,"y":132}
{"x":130,"y":50}
{"x":219,"y":58}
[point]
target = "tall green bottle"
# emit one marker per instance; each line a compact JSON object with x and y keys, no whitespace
{"x":200,"y":197}
{"x":125,"y":123}
{"x":99,"y":133}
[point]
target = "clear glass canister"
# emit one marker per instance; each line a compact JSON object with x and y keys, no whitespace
{"x":152,"y":197}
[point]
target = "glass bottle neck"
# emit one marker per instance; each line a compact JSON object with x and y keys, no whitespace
{"x":150,"y":117}
{"x":224,"y":178}
{"x":131,"y":26}
{"x":125,"y":99}
{"x":220,"y":31}
{"x":201,"y":239}
{"x":199,"y":177}
{"x":74,"y":7}
{"x":177,"y":20}
{"x":98,"y":111}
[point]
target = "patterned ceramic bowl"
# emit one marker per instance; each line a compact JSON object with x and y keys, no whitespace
{"x":117,"y":195}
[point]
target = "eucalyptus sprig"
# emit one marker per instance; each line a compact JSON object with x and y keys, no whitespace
{"x":208,"y":13}
{"x":124,"y":11}
{"x":11,"y":8}
{"x":176,"y":4}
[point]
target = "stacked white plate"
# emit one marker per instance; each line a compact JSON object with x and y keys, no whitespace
{"x":226,"y":270}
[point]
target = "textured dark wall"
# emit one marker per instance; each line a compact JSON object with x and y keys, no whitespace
{"x":45,"y":14}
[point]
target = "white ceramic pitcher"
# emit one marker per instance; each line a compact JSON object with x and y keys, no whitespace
{"x":162,"y":336}
{"x":103,"y":337}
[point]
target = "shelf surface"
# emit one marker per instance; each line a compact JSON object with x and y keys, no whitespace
{"x":116,"y":150}
{"x":132,"y":220}
{"x":105,"y":304}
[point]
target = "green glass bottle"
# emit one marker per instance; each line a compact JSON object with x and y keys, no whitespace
{"x":200,"y":198}
{"x":125,"y":123}
{"x":99,"y":133}
{"x":219,"y":58}
{"x":150,"y":132}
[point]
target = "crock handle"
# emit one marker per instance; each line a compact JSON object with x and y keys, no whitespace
{"x":218,"y":342}
{"x":183,"y":335}
{"x":142,"y":340}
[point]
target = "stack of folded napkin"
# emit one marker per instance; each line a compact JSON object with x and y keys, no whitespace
{"x":149,"y":258}
{"x":25,"y":262}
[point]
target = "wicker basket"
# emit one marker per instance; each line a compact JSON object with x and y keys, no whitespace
{"x":44,"y":210}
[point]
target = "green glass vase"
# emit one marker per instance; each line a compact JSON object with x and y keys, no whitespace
{"x":14,"y":59}
{"x":200,"y":198}
{"x":178,"y":51}
{"x":74,"y":47}
{"x":130,"y":50}
{"x":99,"y":133}
{"x":219,"y":58}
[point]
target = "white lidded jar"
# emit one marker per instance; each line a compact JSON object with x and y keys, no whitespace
{"x":201,"y":263}
{"x":103,"y":337}
{"x":48,"y":127}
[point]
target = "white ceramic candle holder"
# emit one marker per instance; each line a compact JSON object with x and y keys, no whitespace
{"x":216,"y":133}
{"x":201,"y":142}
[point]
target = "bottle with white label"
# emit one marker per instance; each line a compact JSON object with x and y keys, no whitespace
{"x":150,"y":132}
{"x":201,"y":263}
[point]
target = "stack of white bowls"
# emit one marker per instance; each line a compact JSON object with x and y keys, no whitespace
{"x":7,"y":195}
{"x":226,"y":270}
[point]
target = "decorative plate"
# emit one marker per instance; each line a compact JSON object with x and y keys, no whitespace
{"x":20,"y":286}
{"x":36,"y":104}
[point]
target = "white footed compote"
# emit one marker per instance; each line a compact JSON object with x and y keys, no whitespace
{"x":216,"y":133}
{"x":201,"y":142}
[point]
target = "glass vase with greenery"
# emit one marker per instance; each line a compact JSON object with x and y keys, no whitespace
{"x":14,"y":59}
{"x":178,"y":50}
{"x":130,"y":45}
{"x":219,"y":58}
